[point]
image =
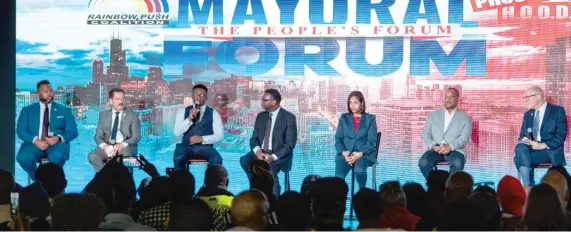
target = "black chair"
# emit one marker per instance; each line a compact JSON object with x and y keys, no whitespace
{"x":374,"y":176}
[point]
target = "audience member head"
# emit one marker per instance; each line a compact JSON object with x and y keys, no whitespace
{"x":216,"y":176}
{"x":557,"y":182}
{"x":460,"y":214}
{"x":368,"y":208}
{"x":249,"y":209}
{"x":182,"y":186}
{"x":511,"y":195}
{"x":392,"y":195}
{"x":485,"y":189}
{"x":436,"y":181}
{"x":489,"y":208}
{"x":307,"y":182}
{"x":34,"y":202}
{"x":52,"y":178}
{"x":155,"y":189}
{"x":194,"y":215}
{"x":6,"y":186}
{"x":415,"y":197}
{"x":459,"y":186}
{"x":79,"y":212}
{"x":563,"y":171}
{"x":293,"y":211}
{"x":543,"y":210}
{"x":329,"y":195}
{"x":115,"y":186}
{"x":261,"y":179}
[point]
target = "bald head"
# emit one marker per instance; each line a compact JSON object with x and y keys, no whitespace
{"x":558,"y":182}
{"x":534,"y":97}
{"x":459,"y":186}
{"x":249,"y":209}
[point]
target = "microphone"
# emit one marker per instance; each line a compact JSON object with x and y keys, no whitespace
{"x":530,"y":134}
{"x":196,"y":106}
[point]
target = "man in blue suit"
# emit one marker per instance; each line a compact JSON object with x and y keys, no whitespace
{"x":542,"y":135}
{"x":46,"y":128}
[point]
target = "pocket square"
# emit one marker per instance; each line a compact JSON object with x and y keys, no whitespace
{"x":60,"y":116}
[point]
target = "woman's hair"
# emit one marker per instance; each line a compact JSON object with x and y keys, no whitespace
{"x":361,"y":99}
{"x":543,"y":210}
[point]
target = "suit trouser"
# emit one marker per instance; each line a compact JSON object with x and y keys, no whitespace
{"x":29,"y":154}
{"x":98,"y":156}
{"x":455,"y":159}
{"x":342,"y":168}
{"x":183,"y":152}
{"x":526,"y":157}
{"x":246,"y":161}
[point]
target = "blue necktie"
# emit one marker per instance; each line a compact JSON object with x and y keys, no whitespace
{"x":536,"y":125}
{"x":115,"y":125}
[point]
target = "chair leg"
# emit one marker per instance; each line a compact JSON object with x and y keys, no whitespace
{"x":374,"y":176}
{"x":352,"y":195}
{"x":287,"y":186}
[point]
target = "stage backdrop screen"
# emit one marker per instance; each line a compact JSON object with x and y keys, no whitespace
{"x":402,"y":55}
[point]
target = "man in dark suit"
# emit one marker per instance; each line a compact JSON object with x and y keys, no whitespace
{"x":542,"y":135}
{"x":274,"y":137}
{"x":118,"y":131}
{"x":46,"y":128}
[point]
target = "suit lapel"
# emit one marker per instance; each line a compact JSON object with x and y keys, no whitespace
{"x":124,"y":120}
{"x":36,"y":114}
{"x":276,"y":127}
{"x":545,"y":116}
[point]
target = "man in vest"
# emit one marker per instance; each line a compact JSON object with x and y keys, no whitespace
{"x":200,"y":127}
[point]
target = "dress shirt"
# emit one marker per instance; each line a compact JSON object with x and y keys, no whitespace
{"x":541,"y":114}
{"x":42,"y":110}
{"x":119,"y":138}
{"x":274,"y":119}
{"x":447,"y":119}
{"x":182,"y":124}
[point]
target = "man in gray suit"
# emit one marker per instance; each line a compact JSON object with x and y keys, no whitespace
{"x":446,"y":133}
{"x":118,"y":131}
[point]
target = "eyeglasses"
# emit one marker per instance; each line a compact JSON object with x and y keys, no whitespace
{"x":527,"y":97}
{"x":265,"y":100}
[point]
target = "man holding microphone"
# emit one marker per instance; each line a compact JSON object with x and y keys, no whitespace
{"x":200,"y":127}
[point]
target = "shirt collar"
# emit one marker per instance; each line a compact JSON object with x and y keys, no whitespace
{"x":43,"y":104}
{"x":543,"y":107}
{"x":114,"y":111}
{"x":276,"y":112}
{"x":453,"y":112}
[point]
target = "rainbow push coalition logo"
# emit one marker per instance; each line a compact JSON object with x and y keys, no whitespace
{"x":128,"y":12}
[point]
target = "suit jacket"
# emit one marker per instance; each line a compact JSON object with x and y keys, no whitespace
{"x":284,"y":134}
{"x":553,"y":127}
{"x":363,"y":140}
{"x":457,"y":134}
{"x":62,"y":122}
{"x":130,"y":127}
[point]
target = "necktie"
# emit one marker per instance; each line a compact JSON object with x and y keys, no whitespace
{"x":46,"y":122}
{"x":536,"y":125}
{"x":115,"y":127}
{"x":266,"y":146}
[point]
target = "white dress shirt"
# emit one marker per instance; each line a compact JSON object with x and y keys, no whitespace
{"x":541,"y":114}
{"x":274,"y":119}
{"x":447,"y":119}
{"x":182,"y":124}
{"x":42,"y":110}
{"x":119,"y":138}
